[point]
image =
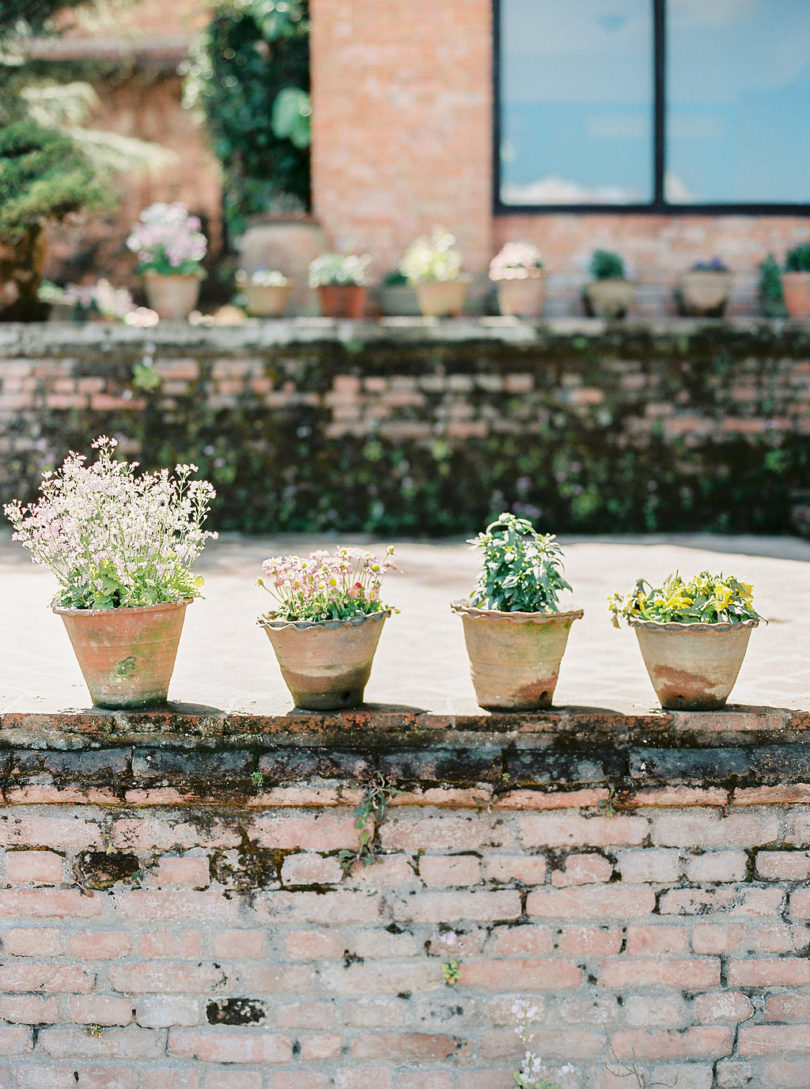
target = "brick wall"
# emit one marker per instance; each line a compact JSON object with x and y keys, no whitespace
{"x":176,"y":911}
{"x":431,"y":428}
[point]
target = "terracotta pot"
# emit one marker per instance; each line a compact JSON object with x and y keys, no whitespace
{"x":522,"y":298}
{"x":442,"y":298}
{"x":610,"y":298}
{"x":796,"y":290}
{"x":171,"y":297}
{"x":326,"y":664}
{"x":692,"y":667}
{"x":514,"y":657}
{"x":266,"y":300}
{"x":342,"y":300}
{"x":705,"y":292}
{"x":126,"y":655}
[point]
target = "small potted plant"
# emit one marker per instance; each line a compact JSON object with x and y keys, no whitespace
{"x":433,"y":266}
{"x":121,"y":546}
{"x":519,"y":278}
{"x":170,"y":248}
{"x":513,"y":627}
{"x":796,"y":281}
{"x":326,"y":623}
{"x":610,"y":294}
{"x":397,"y":297}
{"x":265,"y":291}
{"x":705,"y":288}
{"x":692,"y":635}
{"x":341,"y":281}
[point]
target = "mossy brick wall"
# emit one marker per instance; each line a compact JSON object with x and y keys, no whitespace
{"x":411,"y":427}
{"x":180,"y":909}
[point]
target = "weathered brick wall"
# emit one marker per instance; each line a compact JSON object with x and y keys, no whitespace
{"x":420,"y":428}
{"x":177,"y":914}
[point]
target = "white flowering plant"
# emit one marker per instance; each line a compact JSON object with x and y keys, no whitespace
{"x":168,"y":240}
{"x":339,"y":268}
{"x":262,"y":277}
{"x":115,"y":539}
{"x":326,"y":586}
{"x":516,"y":261}
{"x":432,"y":258}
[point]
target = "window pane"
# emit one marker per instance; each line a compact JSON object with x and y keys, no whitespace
{"x":738,"y":101}
{"x":576,"y":87}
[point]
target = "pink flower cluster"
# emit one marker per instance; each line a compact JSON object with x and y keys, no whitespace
{"x":326,"y":586}
{"x":168,"y":240}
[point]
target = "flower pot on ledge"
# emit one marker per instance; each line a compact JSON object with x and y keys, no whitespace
{"x":342,"y":300}
{"x":171,"y":297}
{"x":442,"y":298}
{"x":796,"y":292}
{"x":705,"y":292}
{"x":522,"y":297}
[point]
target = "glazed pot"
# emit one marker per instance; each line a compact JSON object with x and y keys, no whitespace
{"x":609,"y":298}
{"x":342,"y":300}
{"x":126,"y":655}
{"x":692,"y":667}
{"x":266,"y":300}
{"x":796,"y":291}
{"x":705,"y":292}
{"x":326,"y":664}
{"x":514,"y":657}
{"x":441,"y":298}
{"x":171,"y":297}
{"x":524,"y":297}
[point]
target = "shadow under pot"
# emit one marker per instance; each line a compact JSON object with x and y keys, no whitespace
{"x":692,"y":667}
{"x":514,"y":657}
{"x":326,"y":664}
{"x":126,"y":655}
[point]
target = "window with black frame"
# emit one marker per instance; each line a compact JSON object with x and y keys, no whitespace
{"x":685,"y":105}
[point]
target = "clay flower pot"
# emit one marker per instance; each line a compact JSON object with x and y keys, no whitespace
{"x":171,"y":297}
{"x":326,"y":664}
{"x":796,"y":291}
{"x":514,"y":657}
{"x":266,"y":300}
{"x":342,"y":300}
{"x":692,"y":667}
{"x":610,"y":298}
{"x":705,"y":291}
{"x":126,"y":655}
{"x":523,"y":297}
{"x":441,"y":298}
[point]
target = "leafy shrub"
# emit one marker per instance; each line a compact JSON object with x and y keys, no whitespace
{"x":606,"y":265}
{"x":798,"y":259}
{"x":521,"y":569}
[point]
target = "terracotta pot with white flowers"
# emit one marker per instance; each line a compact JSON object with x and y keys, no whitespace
{"x":520,"y":280}
{"x":341,"y":281}
{"x":432,"y":265}
{"x":121,"y":546}
{"x":170,"y":248}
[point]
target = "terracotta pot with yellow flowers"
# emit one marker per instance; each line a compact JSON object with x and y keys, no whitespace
{"x":692,"y":635}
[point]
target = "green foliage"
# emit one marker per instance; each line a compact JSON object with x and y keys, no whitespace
{"x":771,"y":299}
{"x":705,"y":599}
{"x":451,"y":971}
{"x":368,"y":818}
{"x":606,"y":265}
{"x":43,"y":175}
{"x":521,"y":569}
{"x":20,"y":17}
{"x":250,"y":79}
{"x":798,"y":259}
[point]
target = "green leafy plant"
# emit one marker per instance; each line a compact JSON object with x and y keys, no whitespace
{"x":606,"y":265}
{"x":114,"y":539}
{"x":339,"y":268}
{"x":249,"y":79}
{"x":798,"y":258}
{"x":769,"y":290}
{"x":521,"y":570}
{"x":432,"y":258}
{"x":704,"y":599}
{"x":368,"y":818}
{"x":451,"y":971}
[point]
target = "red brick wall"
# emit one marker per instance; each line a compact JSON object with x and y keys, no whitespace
{"x":170,"y":923}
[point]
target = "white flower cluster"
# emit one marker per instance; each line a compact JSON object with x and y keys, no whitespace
{"x":433,"y":258}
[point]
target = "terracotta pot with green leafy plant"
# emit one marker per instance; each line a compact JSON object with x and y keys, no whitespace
{"x":692,"y":635}
{"x":610,"y":294}
{"x":121,"y":546}
{"x":170,"y":248}
{"x":341,"y":281}
{"x":796,"y":281}
{"x":705,"y":288}
{"x":513,"y":628}
{"x":520,"y":280}
{"x":326,"y":623}
{"x":432,"y":265}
